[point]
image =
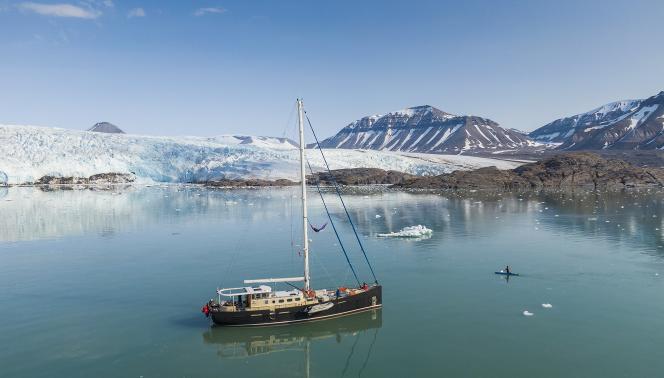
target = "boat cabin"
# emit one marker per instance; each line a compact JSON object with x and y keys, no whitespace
{"x":260,"y":297}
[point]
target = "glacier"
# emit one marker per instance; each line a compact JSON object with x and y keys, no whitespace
{"x":28,"y":153}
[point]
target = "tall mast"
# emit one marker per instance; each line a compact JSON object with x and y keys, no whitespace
{"x":303,"y":178}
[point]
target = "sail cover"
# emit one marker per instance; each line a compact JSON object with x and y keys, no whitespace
{"x":271,"y":280}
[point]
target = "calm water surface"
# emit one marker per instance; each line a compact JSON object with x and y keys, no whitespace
{"x":110,"y":283}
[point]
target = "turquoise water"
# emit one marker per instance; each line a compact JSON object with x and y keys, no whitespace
{"x":110,"y":283}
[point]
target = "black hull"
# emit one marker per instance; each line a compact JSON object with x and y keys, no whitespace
{"x":370,"y":299}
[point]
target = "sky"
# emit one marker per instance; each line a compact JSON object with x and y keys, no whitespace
{"x":215,"y":67}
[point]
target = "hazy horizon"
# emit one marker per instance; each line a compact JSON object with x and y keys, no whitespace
{"x":220,"y":67}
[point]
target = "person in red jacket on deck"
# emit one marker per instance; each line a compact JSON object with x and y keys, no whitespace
{"x":206,"y":310}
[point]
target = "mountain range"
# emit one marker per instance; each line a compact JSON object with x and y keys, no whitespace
{"x":620,"y":125}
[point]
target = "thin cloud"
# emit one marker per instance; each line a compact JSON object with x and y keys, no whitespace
{"x":108,"y":3}
{"x":136,"y":12}
{"x":60,"y":10}
{"x":210,"y":10}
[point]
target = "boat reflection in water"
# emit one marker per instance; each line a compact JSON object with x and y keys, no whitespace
{"x":239,"y":343}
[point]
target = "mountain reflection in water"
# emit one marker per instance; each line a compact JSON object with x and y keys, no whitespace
{"x":33,"y":214}
{"x":151,"y":256}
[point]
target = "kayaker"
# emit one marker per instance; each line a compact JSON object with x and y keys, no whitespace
{"x":507,"y":269}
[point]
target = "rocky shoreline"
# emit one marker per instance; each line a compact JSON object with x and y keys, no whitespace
{"x":568,"y":171}
{"x":98,"y":179}
{"x":345,"y":177}
{"x":586,"y":171}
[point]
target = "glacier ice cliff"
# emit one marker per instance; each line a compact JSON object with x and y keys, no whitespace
{"x":28,"y":153}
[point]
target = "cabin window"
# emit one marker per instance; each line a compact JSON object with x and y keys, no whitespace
{"x":266,"y":301}
{"x":272,"y":301}
{"x":297,"y":299}
{"x":289,"y":300}
{"x":281,"y":301}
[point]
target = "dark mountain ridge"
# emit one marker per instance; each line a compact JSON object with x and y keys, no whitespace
{"x":620,"y":125}
{"x":427,"y":129}
{"x":106,"y":127}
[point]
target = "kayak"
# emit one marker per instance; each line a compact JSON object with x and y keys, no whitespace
{"x":507,"y":274}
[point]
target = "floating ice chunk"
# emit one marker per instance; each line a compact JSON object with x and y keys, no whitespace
{"x":547,"y":305}
{"x":418,"y":231}
{"x":527,"y":313}
{"x":378,"y":216}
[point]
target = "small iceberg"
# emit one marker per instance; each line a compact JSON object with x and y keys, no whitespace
{"x":418,"y":231}
{"x":527,"y":313}
{"x":547,"y":305}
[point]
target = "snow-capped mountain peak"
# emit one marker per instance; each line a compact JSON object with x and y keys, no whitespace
{"x":612,"y":107}
{"x":426,"y":129}
{"x":618,"y":125}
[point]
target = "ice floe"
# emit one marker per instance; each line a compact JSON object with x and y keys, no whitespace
{"x":418,"y":231}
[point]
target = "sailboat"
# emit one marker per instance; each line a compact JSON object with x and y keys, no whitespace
{"x":258,"y":304}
